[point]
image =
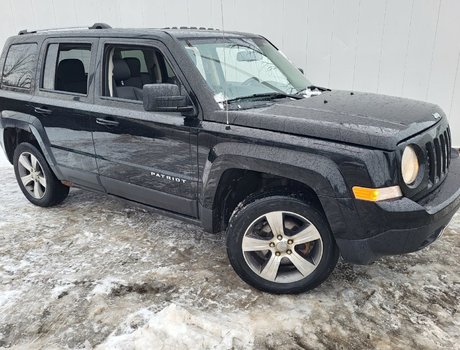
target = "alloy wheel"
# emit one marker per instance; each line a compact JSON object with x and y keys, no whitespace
{"x":282,"y":247}
{"x":32,"y":176}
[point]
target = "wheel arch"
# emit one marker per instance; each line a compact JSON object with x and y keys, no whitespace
{"x":230,"y":167}
{"x":20,"y":127}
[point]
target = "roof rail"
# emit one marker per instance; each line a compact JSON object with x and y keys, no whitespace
{"x":195,"y":28}
{"x":100,"y":26}
{"x":24,"y":31}
{"x":94,"y":26}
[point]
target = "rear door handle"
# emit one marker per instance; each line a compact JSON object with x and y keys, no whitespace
{"x":106,"y":122}
{"x":42,"y":110}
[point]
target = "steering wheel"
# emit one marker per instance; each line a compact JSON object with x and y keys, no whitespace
{"x":251,"y":81}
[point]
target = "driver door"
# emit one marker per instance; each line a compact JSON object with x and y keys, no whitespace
{"x":142,"y":156}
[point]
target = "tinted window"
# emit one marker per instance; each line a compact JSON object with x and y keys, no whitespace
{"x":66,"y":68}
{"x":139,"y":54}
{"x":128,"y":68}
{"x":19,"y":66}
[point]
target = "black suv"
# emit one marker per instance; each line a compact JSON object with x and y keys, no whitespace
{"x":219,"y":128}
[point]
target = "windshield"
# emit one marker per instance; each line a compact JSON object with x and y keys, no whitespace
{"x":236,"y":68}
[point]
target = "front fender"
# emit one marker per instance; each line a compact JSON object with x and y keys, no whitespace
{"x":316,"y":171}
{"x":30,"y":123}
{"x":319,"y":173}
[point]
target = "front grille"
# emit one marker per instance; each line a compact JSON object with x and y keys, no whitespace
{"x":438,"y":156}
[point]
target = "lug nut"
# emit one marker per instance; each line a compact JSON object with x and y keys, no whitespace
{"x":280,"y":237}
{"x":272,"y":244}
{"x":290,"y":241}
{"x":277,"y":253}
{"x":288,"y":251}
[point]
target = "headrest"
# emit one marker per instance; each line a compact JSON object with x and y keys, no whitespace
{"x":134,"y":66}
{"x":71,"y":70}
{"x":121,"y":70}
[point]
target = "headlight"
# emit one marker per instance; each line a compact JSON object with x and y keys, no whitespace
{"x":409,"y":165}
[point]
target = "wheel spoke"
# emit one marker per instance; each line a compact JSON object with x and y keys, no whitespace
{"x":275,"y":220}
{"x":305,"y":267}
{"x":270,"y":270}
{"x":42,"y":181}
{"x":25,"y":162}
{"x":254,"y":244}
{"x":306,"y":235}
{"x":33,"y":160}
{"x":38,"y":192}
{"x":27,"y":179}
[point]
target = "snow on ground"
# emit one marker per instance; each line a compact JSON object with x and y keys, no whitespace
{"x":3,"y":161}
{"x":96,"y":272}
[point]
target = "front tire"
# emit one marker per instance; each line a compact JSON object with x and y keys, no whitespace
{"x":35,"y":178}
{"x":281,"y":245}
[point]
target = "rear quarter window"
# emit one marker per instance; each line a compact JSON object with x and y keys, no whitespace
{"x":19,"y":68}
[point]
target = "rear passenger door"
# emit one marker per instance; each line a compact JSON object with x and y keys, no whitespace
{"x":142,"y":156}
{"x":63,"y":104}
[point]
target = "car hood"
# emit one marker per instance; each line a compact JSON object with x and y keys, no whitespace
{"x":365,"y":119}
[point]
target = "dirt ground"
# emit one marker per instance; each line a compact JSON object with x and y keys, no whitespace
{"x":95,"y":272}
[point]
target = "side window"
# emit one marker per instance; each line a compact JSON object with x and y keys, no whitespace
{"x":169,"y":72}
{"x":128,"y":68}
{"x":19,"y":68}
{"x":66,"y":68}
{"x":138,"y":55}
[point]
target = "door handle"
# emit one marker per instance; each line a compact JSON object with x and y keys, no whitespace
{"x":106,"y":122}
{"x":42,"y":110}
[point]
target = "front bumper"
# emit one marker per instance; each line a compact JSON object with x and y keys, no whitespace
{"x":408,"y":226}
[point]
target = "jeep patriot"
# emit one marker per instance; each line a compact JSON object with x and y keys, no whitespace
{"x":221,"y":129}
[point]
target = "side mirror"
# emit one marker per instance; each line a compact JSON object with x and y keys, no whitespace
{"x":165,"y":98}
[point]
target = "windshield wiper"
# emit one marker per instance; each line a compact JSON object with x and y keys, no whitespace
{"x":268,"y":95}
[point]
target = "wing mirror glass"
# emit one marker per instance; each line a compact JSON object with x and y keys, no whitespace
{"x":166,"y":98}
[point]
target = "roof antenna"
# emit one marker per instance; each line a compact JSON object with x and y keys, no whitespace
{"x":227,"y":127}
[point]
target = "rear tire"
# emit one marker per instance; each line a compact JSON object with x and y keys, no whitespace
{"x":35,"y":178}
{"x":281,"y":245}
